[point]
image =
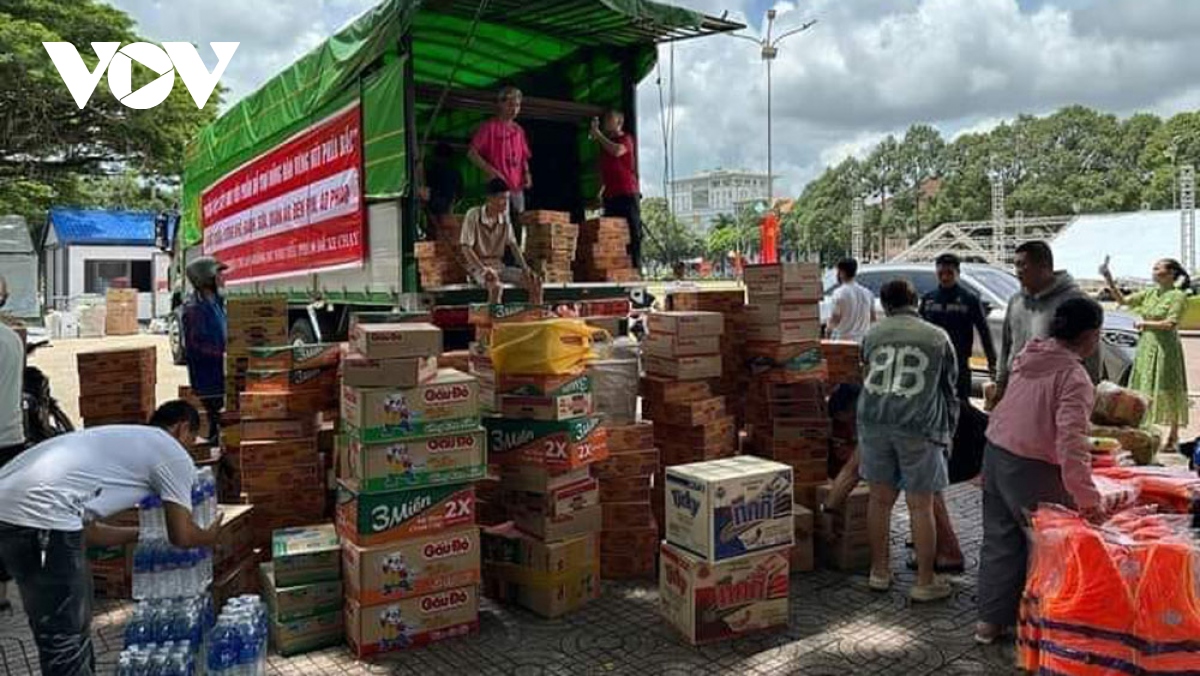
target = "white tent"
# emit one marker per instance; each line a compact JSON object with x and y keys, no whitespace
{"x":1135,"y":240}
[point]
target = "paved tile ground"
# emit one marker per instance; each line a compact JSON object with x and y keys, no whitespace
{"x":838,"y":627}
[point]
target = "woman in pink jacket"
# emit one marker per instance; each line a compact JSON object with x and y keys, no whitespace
{"x":1037,"y":452}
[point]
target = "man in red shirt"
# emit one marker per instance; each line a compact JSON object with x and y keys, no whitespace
{"x":618,"y":175}
{"x":500,"y":150}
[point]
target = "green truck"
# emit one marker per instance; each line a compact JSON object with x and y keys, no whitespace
{"x":307,"y":186}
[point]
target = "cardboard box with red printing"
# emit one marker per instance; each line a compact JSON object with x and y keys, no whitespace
{"x":396,"y":341}
{"x":636,"y":436}
{"x":288,"y":357}
{"x":707,"y":300}
{"x":670,"y":346}
{"x":684,"y":368}
{"x":411,"y":567}
{"x":359,"y":371}
{"x":696,"y":413}
{"x":783,"y":282}
{"x":272,"y":430}
{"x":378,"y":517}
{"x":686,"y":324}
{"x":117,"y":386}
{"x":281,"y":405}
{"x":627,"y":463}
{"x":552,"y":528}
{"x":563,"y":500}
{"x":548,"y":578}
{"x":626,"y":515}
{"x":276,"y":453}
{"x":662,"y":390}
{"x":559,"y":446}
{"x":626,"y":489}
{"x":843,"y":360}
{"x":411,"y":623}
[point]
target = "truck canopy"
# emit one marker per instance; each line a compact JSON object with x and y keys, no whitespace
{"x":445,"y":59}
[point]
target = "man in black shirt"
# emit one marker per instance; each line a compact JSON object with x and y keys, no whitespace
{"x":960,"y":313}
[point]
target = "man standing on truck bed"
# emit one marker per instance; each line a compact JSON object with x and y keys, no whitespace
{"x":204,"y":329}
{"x":618,"y":172}
{"x":487,"y":232}
{"x":501,"y":151}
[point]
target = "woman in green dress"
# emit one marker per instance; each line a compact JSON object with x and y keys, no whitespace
{"x":1159,"y":370}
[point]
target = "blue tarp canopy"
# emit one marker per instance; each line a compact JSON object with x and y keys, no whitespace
{"x":1135,"y":240}
{"x":102,"y":226}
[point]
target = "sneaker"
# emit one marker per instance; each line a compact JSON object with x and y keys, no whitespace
{"x":880,"y":583}
{"x":935,"y":591}
{"x":987,"y":634}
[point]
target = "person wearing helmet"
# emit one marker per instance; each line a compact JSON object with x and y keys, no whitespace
{"x":204,"y":327}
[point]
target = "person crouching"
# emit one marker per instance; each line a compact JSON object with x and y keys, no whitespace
{"x":486,"y":233}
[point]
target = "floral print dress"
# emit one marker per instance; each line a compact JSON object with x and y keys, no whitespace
{"x":1158,"y":366}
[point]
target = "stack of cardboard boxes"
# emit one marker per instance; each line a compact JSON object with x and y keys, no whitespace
{"x":787,"y":415}
{"x":731,"y":304}
{"x":439,"y":260}
{"x":843,"y":359}
{"x":629,"y":535}
{"x":725,"y":562}
{"x":406,"y":499}
{"x":603,"y":254}
{"x":117,"y":386}
{"x":236,"y":555}
{"x":253,"y":321}
{"x":842,"y":541}
{"x":121,"y":312}
{"x":483,"y":317}
{"x":303,"y":589}
{"x":544,"y":446}
{"x":550,"y":241}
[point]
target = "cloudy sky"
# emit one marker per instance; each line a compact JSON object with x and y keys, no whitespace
{"x":868,"y":68}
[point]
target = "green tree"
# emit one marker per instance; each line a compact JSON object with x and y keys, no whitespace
{"x":667,"y":241}
{"x":47,"y":143}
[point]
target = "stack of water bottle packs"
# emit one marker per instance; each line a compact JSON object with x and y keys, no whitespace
{"x":166,"y":636}
{"x":162,"y":570}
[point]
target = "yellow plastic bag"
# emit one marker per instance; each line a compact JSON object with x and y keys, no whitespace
{"x":550,"y":347}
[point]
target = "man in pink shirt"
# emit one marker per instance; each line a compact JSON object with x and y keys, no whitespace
{"x":1037,"y":452}
{"x":500,"y":150}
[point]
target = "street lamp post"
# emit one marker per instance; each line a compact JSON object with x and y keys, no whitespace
{"x":769,"y":50}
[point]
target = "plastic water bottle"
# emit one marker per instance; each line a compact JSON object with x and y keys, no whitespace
{"x":143,"y":568}
{"x":125,"y":664}
{"x":223,"y":650}
{"x":140,"y":630}
{"x":163,"y":621}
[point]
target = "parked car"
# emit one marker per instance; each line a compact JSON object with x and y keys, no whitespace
{"x":994,"y":287}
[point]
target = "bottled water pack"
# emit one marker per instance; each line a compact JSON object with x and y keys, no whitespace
{"x":238,"y":643}
{"x":161,"y":570}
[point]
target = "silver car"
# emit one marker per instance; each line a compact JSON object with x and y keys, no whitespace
{"x":994,"y":286}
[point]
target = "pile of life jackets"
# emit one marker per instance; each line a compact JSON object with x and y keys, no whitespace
{"x":1120,"y":598}
{"x":1170,"y":490}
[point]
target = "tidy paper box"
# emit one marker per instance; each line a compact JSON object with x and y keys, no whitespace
{"x":723,"y":509}
{"x":411,"y":623}
{"x":456,"y":457}
{"x":368,"y":519}
{"x":358,"y":371}
{"x":448,"y":403}
{"x":411,"y":567}
{"x":306,"y":554}
{"x":686,"y":324}
{"x":300,"y":601}
{"x":709,"y":602}
{"x":558,"y":446}
{"x":396,"y":341}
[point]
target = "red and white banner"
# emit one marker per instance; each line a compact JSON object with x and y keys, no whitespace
{"x":297,"y":208}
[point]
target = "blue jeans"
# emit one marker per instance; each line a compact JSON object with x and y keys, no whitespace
{"x":57,"y":596}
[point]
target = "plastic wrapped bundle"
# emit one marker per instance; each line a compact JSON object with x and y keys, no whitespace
{"x":1169,"y":489}
{"x":1116,"y":405}
{"x":615,"y":389}
{"x":1140,"y":443}
{"x":1123,"y":598}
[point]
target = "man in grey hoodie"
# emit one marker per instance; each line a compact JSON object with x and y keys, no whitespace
{"x":1031,"y":311}
{"x":907,"y":413}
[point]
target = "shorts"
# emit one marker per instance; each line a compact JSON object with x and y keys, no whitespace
{"x":508,"y":275}
{"x":905,"y":462}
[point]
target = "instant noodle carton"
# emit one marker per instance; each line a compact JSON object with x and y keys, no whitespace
{"x":550,"y":579}
{"x":671,"y":346}
{"x":411,"y":567}
{"x":709,"y":602}
{"x":306,"y":634}
{"x":306,"y":554}
{"x":783,"y":282}
{"x":288,"y":357}
{"x":686,"y":324}
{"x":723,"y":509}
{"x":559,"y":446}
{"x":448,"y":403}
{"x":300,"y":601}
{"x":368,"y":519}
{"x":410,"y":463}
{"x":558,"y":501}
{"x":412,"y":622}
{"x":396,"y":341}
{"x":358,"y":371}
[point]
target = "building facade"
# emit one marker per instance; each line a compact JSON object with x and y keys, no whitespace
{"x":698,"y":200}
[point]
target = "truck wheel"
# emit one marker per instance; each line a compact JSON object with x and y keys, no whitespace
{"x":302,"y":332}
{"x":175,"y":338}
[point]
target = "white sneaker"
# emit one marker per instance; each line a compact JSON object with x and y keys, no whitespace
{"x":935,"y":591}
{"x":880,"y":583}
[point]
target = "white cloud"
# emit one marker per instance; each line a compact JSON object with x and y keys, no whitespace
{"x":869,"y":68}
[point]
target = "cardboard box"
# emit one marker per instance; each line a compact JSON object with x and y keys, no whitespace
{"x":783,"y":282}
{"x":243,"y":307}
{"x":709,"y":602}
{"x":368,"y":519}
{"x":539,"y":479}
{"x":667,"y":345}
{"x":550,"y":408}
{"x":626,"y":489}
{"x":271,"y":430}
{"x":635,"y":436}
{"x":280,"y":405}
{"x":411,"y":623}
{"x":631,"y":566}
{"x":771,"y":314}
{"x":686,"y":324}
{"x":562,"y":527}
{"x":448,"y":403}
{"x":684,"y":368}
{"x":358,"y":371}
{"x":411,"y":463}
{"x":543,"y":385}
{"x":294,"y":603}
{"x":803,"y":331}
{"x":546,"y":595}
{"x":561,"y":500}
{"x":284,"y":452}
{"x":560,"y":446}
{"x":696,"y":413}
{"x":710,"y":300}
{"x":626,"y":515}
{"x":630,"y":541}
{"x":307,"y":634}
{"x":294,"y":478}
{"x":727,"y":508}
{"x":307,"y":554}
{"x":288,"y":357}
{"x":322,"y":379}
{"x":412,"y":567}
{"x":666,"y":391}
{"x":235,"y":538}
{"x":121,"y":360}
{"x":507,"y":545}
{"x":626,"y":464}
{"x":396,"y":341}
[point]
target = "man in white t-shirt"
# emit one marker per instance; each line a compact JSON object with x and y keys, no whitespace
{"x":54,"y":496}
{"x":853,"y":305}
